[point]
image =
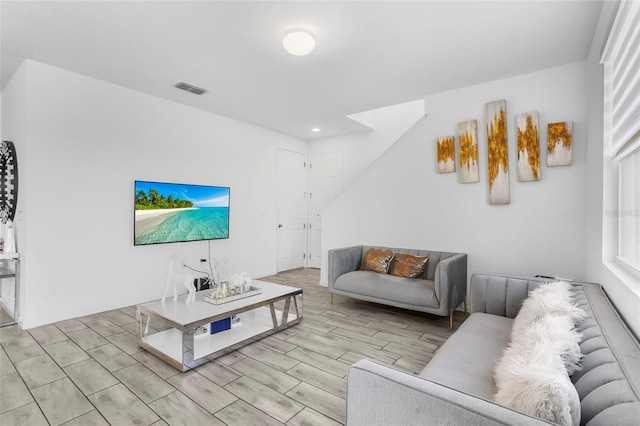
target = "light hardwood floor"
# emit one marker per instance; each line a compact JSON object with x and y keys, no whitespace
{"x":90,"y":370}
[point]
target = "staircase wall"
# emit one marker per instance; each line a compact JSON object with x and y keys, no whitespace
{"x":401,"y":200}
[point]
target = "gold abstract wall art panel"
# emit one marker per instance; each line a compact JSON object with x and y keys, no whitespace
{"x":528,"y":136}
{"x":559,"y":143}
{"x":446,"y":151}
{"x":468,"y":151}
{"x":497,"y":150}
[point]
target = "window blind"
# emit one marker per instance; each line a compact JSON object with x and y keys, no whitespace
{"x":622,"y":59}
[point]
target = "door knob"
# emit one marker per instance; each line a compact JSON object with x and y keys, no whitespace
{"x":279,"y":225}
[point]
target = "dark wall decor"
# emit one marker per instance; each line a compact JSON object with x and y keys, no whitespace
{"x":8,"y":181}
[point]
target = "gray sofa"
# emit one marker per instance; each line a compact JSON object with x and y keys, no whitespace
{"x":443,"y":288}
{"x":457,"y":386}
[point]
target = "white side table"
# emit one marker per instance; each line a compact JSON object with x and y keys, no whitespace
{"x":10,"y":268}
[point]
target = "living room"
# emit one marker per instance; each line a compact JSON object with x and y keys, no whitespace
{"x":82,"y":141}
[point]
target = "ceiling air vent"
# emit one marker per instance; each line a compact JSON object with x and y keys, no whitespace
{"x":190,"y":88}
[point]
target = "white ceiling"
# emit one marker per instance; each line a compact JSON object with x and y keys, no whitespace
{"x":368,"y":54}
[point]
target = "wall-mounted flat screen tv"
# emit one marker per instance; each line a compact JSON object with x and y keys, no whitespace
{"x":172,"y":212}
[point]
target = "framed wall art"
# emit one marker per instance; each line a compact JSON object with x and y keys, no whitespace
{"x":8,"y":181}
{"x":468,"y":151}
{"x":559,"y":143}
{"x":446,"y":152}
{"x":528,"y":145}
{"x":497,"y":152}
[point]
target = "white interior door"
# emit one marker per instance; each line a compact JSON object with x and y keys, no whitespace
{"x":292,"y":209}
{"x":325,"y":183}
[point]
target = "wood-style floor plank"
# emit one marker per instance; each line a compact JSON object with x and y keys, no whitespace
{"x":294,"y":377}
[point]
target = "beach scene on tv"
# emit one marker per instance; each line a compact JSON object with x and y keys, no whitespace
{"x":169,"y":212}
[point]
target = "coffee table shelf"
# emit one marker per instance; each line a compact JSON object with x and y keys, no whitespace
{"x":184,"y":345}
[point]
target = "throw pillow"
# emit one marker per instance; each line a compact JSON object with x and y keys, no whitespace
{"x":535,"y":382}
{"x":551,"y":298}
{"x":558,"y":334}
{"x":377,"y":261}
{"x":408,"y":266}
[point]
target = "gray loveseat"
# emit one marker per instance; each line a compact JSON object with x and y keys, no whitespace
{"x":457,"y":386}
{"x":439,"y":292}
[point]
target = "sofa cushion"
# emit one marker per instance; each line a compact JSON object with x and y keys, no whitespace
{"x":435,"y":257}
{"x":532,"y":375}
{"x":467,"y":360}
{"x":557,"y":334}
{"x":553,"y":298}
{"x":377,"y":261}
{"x":408,"y":266}
{"x":535,"y":382}
{"x":411,"y":291}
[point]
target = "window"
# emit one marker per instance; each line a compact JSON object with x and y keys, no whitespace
{"x":629,"y":210}
{"x":622,"y":129}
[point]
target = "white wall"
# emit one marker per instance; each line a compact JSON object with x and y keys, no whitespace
{"x":359,"y":150}
{"x":601,"y":217}
{"x":13,"y":119}
{"x":82,"y":143}
{"x":401,"y":201}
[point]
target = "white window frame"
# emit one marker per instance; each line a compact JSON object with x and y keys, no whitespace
{"x":624,"y":262}
{"x":621,"y":129}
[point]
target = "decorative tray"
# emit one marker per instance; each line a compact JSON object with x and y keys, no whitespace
{"x":231,"y":296}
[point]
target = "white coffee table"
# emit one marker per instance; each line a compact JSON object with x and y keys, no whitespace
{"x":185,"y":345}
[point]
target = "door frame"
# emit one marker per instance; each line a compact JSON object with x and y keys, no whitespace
{"x":305,"y":243}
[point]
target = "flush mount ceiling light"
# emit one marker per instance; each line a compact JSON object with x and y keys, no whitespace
{"x":315,"y":129}
{"x":298,"y":43}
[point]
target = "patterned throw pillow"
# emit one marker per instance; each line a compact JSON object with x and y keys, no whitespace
{"x":408,"y":266}
{"x":377,"y":261}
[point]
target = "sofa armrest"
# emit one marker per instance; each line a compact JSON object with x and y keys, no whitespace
{"x":451,"y":281}
{"x":500,"y":294}
{"x":379,"y":395}
{"x":343,"y":260}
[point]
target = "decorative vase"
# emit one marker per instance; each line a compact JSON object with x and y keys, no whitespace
{"x":223,"y":289}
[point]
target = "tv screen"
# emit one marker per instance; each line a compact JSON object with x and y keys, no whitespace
{"x":171,"y":213}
